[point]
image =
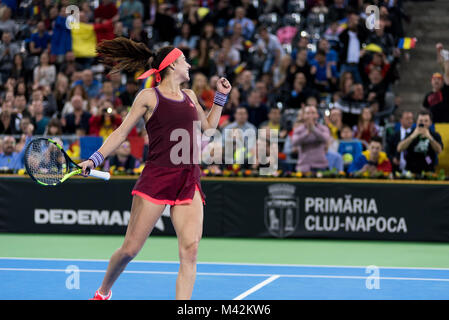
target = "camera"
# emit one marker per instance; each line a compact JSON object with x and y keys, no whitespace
{"x":421,"y":125}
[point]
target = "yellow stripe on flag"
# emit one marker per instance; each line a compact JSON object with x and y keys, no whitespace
{"x":84,"y":40}
{"x":407,"y":42}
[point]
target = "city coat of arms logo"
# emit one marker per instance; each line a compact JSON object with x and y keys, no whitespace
{"x":281,"y":210}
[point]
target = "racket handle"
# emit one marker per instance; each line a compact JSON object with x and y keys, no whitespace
{"x":100,"y":174}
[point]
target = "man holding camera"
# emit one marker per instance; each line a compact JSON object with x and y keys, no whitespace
{"x":421,"y":146}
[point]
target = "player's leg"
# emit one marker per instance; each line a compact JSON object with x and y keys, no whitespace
{"x":187,"y":220}
{"x":144,"y":215}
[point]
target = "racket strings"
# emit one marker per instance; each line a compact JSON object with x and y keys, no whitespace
{"x":45,"y":162}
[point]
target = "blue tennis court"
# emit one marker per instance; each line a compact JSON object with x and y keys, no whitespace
{"x":60,"y":279}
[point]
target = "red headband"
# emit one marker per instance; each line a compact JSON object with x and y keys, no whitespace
{"x":169,"y":59}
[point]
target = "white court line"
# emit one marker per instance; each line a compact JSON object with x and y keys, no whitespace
{"x":233,"y":274}
{"x":256,"y":287}
{"x":231,"y":263}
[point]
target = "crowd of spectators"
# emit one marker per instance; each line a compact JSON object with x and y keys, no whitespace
{"x":310,"y":69}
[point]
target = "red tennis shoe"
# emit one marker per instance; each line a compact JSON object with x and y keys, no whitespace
{"x":99,"y":296}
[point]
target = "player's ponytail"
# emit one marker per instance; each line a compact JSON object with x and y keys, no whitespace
{"x":125,"y":54}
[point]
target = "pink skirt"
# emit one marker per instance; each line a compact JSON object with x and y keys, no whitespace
{"x":168,"y":185}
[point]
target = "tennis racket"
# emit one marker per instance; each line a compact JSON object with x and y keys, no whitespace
{"x":49,"y":165}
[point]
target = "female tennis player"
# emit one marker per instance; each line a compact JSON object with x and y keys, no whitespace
{"x":164,"y":180}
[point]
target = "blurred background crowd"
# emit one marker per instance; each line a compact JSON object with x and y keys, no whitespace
{"x":310,"y":69}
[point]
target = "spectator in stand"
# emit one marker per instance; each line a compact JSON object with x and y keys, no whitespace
{"x":378,"y":85}
{"x":247,"y":24}
{"x":348,"y":147}
{"x":231,"y":54}
{"x":119,"y":30}
{"x":240,"y":122}
{"x":311,"y":138}
{"x":274,"y":122}
{"x":191,"y":15}
{"x":245,"y":84}
{"x":8,"y":50}
{"x":382,"y":39}
{"x":18,"y":70}
{"x":437,"y":101}
{"x":335,"y":161}
{"x":116,"y":80}
{"x":269,"y":47}
{"x":131,"y":89}
{"x":7,"y":120}
{"x":257,"y":111}
{"x":122,"y":160}
{"x":346,"y":83}
{"x":25,"y":122}
{"x":20,"y":110}
{"x":202,"y":90}
{"x":77,"y":90}
{"x":77,"y":118}
{"x":106,"y":10}
{"x":138,"y":33}
{"x":334,"y":122}
{"x":352,"y":104}
{"x":70,"y":66}
{"x":324,"y":72}
{"x":130,"y":9}
{"x":372,"y":160}
{"x":165,"y":25}
{"x":398,"y":158}
{"x":366,"y":128}
{"x":50,"y":107}
{"x":104,"y":30}
{"x":201,"y":59}
{"x":40,"y":40}
{"x":301,"y":65}
{"x":186,"y":41}
{"x":107,"y":93}
{"x":299,"y":93}
{"x":324,"y":46}
{"x":40,"y":121}
{"x":337,"y":10}
{"x":421,"y":146}
{"x":351,"y":40}
{"x":9,"y":158}
{"x":45,"y":73}
{"x":280,"y":74}
{"x":106,"y":120}
{"x":61,"y":92}
{"x":378,"y":61}
{"x":332,"y":34}
{"x":61,"y":38}
{"x":7,"y":24}
{"x":54,"y":128}
{"x":211,"y":36}
{"x":237,"y":40}
{"x":91,"y":85}
{"x":250,"y":10}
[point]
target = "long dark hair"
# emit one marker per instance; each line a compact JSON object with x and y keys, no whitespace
{"x":125,"y":54}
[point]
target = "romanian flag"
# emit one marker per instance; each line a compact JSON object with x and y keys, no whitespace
{"x":85,"y":37}
{"x":240,"y":68}
{"x":36,"y":10}
{"x":407,"y":43}
{"x":149,"y":82}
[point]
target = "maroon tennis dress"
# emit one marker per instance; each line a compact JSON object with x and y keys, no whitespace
{"x":169,"y":177}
